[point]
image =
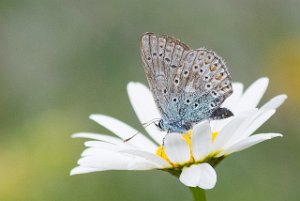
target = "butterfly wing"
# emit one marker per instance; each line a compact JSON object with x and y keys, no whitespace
{"x":187,"y":85}
{"x":205,"y":83}
{"x":161,"y":57}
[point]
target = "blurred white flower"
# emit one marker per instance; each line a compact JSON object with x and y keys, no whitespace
{"x":190,"y":156}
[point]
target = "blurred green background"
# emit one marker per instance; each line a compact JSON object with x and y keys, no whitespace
{"x":62,"y":60}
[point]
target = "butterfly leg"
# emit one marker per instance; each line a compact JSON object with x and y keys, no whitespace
{"x":163,"y":141}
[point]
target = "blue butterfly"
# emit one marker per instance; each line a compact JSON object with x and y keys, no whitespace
{"x":188,"y":85}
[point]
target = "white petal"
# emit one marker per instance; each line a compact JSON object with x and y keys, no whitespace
{"x":145,"y":108}
{"x":108,"y":146}
{"x":176,"y":148}
{"x":190,"y":176}
{"x":250,"y":125}
{"x":106,"y":161}
{"x":201,"y":140}
{"x":260,"y":120}
{"x":101,"y":137}
{"x":226,"y":133}
{"x":229,"y":130}
{"x":103,"y":149}
{"x":208,"y":176}
{"x":83,"y":170}
{"x":232,"y":100}
{"x":230,"y":103}
{"x":94,"y":151}
{"x":202,"y":175}
{"x":274,"y":103}
{"x":161,"y":163}
{"x":124,"y":131}
{"x":249,"y":142}
{"x":142,"y":165}
{"x":253,"y":94}
{"x":218,"y":125}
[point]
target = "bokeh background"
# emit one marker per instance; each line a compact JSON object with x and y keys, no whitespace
{"x":62,"y":60}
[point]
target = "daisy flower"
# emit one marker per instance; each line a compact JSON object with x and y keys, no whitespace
{"x":190,"y":156}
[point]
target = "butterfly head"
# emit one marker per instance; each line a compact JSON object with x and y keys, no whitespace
{"x":175,"y":126}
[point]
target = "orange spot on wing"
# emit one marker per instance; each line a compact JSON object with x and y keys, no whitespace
{"x":218,"y":77}
{"x":212,"y":67}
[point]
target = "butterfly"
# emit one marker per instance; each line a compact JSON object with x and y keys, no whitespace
{"x":188,"y":85}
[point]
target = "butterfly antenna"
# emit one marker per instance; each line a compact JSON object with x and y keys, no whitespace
{"x":145,"y":126}
{"x":126,"y":140}
{"x":150,"y":122}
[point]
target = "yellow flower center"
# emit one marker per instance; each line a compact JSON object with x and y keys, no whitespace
{"x":187,"y":137}
{"x":214,"y":135}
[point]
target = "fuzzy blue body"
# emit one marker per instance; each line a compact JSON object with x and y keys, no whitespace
{"x":180,"y":116}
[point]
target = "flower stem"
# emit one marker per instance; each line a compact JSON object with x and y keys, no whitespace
{"x":198,"y":194}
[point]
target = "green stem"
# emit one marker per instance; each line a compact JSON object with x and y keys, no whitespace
{"x":198,"y":194}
